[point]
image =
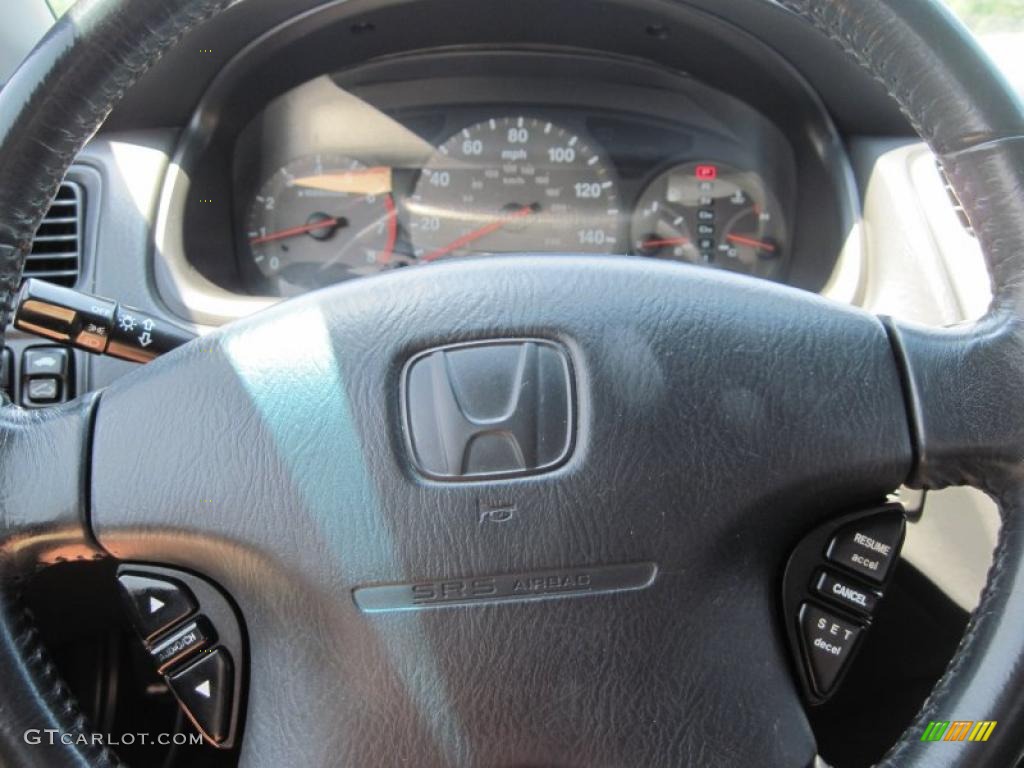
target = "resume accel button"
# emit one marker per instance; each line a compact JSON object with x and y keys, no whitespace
{"x":870,"y":546}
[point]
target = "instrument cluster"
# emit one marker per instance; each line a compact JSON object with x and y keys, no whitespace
{"x":435,"y":184}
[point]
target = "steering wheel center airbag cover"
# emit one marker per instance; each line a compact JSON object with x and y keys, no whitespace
{"x":716,"y":418}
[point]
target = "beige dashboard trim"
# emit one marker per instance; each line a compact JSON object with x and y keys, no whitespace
{"x":183,"y":289}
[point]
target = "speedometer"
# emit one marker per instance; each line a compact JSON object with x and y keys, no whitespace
{"x":514,"y":184}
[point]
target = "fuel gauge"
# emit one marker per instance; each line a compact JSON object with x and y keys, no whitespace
{"x":712,"y":214}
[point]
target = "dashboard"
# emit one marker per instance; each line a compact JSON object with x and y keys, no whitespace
{"x":345,"y":177}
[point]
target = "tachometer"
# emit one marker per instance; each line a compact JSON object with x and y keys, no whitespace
{"x":321,"y":219}
{"x":514,"y":184}
{"x":713,"y":214}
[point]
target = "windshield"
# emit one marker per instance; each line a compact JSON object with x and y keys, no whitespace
{"x":999,"y":26}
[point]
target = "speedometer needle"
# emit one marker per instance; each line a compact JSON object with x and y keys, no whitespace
{"x":476,"y":234}
{"x":751,"y":242}
{"x":281,"y":234}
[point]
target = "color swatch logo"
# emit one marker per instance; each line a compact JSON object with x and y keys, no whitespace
{"x":958,"y":730}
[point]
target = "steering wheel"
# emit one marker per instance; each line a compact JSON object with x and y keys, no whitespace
{"x":716,"y":419}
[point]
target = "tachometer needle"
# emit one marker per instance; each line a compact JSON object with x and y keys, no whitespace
{"x":742,"y":240}
{"x":281,"y":234}
{"x":665,"y":241}
{"x":476,"y":234}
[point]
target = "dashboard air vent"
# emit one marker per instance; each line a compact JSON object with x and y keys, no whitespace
{"x":57,"y":246}
{"x":957,"y":207}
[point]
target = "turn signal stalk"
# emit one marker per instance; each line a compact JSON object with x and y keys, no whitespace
{"x":95,"y":324}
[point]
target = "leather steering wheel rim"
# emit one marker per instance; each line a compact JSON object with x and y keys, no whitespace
{"x":960,"y":383}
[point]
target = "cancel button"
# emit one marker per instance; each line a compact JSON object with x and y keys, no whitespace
{"x":846,"y":593}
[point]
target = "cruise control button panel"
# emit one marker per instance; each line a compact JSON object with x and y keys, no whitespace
{"x":155,"y":604}
{"x":204,"y":689}
{"x":832,"y":587}
{"x":194,"y":636}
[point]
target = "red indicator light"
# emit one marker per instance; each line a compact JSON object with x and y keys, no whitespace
{"x":706,"y":172}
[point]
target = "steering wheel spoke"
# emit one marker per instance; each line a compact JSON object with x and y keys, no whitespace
{"x":962,"y":394}
{"x":43,"y":472}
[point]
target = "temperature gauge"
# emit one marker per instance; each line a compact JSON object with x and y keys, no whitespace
{"x":713,"y":214}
